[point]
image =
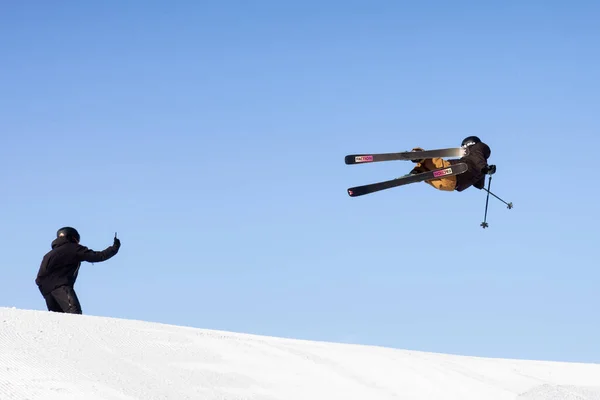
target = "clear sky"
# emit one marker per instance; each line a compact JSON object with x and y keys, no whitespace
{"x":211,"y":137}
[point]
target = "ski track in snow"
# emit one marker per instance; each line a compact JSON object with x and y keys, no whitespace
{"x":53,"y":356}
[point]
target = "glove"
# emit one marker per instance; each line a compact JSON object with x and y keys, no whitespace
{"x":489,"y":170}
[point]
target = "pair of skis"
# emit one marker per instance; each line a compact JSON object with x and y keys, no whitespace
{"x":455,"y":152}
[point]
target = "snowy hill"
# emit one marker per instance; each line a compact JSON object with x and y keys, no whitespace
{"x":55,"y":356}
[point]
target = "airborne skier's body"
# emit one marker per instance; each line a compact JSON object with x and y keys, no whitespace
{"x":466,"y":166}
{"x":476,"y":160}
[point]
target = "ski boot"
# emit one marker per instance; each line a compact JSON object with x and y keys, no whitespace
{"x":418,"y":168}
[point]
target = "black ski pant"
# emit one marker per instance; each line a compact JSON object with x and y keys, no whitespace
{"x":63,"y":299}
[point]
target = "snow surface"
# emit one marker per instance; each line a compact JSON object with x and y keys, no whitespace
{"x":51,"y":356}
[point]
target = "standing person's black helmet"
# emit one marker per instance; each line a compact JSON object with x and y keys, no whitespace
{"x":470,"y":141}
{"x":69,"y":233}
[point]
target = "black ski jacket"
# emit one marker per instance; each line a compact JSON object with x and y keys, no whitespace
{"x":60,"y":265}
{"x":476,"y":160}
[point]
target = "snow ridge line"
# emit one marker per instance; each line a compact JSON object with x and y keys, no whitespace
{"x":59,"y":356}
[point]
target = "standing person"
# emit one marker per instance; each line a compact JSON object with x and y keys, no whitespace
{"x":476,"y":160}
{"x":60,"y":267}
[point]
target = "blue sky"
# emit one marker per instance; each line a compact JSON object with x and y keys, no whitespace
{"x":211,"y":137}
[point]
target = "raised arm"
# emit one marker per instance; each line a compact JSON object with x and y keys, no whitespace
{"x":89,"y":255}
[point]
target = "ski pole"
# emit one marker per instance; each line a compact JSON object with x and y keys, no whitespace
{"x":509,"y":205}
{"x":484,"y":224}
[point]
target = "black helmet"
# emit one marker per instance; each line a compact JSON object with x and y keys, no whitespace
{"x":470,"y":141}
{"x":69,"y":233}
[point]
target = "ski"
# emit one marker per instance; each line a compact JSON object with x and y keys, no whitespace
{"x":407,"y":179}
{"x":456,"y":152}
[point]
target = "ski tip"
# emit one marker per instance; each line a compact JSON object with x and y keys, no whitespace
{"x":358,"y":159}
{"x":353,"y":192}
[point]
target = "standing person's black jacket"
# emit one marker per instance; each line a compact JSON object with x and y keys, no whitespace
{"x":476,"y":160}
{"x":60,"y":265}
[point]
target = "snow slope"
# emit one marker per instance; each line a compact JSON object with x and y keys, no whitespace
{"x":55,"y":356}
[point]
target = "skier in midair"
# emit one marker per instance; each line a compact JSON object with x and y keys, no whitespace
{"x":476,"y":160}
{"x":60,"y":267}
